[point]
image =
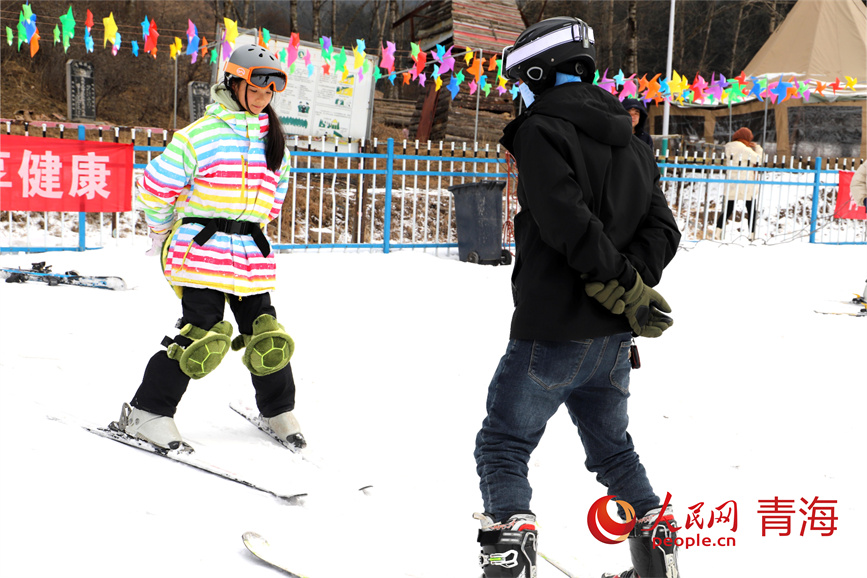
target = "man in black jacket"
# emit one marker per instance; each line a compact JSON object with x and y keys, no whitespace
{"x":592,"y":237}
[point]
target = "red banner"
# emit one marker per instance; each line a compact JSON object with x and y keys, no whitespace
{"x":52,"y":174}
{"x":845,"y":208}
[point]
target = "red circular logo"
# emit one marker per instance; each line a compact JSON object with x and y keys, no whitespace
{"x":598,"y":519}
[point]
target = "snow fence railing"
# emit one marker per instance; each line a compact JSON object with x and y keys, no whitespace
{"x":384,"y":196}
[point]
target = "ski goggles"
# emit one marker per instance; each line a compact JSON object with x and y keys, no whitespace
{"x":578,"y":32}
{"x":260,"y":76}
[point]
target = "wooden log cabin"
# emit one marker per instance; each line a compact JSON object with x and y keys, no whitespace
{"x":478,"y":25}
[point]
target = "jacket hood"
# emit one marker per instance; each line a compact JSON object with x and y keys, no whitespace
{"x":631,"y":103}
{"x":220,"y":93}
{"x":591,"y":109}
{"x":242,"y":122}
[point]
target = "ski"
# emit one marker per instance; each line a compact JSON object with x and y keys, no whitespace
{"x":253,"y":416}
{"x":861,"y":313}
{"x":556,"y":565}
{"x":42,"y":272}
{"x":261,"y":549}
{"x":186,"y":455}
{"x":845,"y":307}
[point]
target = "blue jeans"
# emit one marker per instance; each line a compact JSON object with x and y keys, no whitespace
{"x":533,"y":379}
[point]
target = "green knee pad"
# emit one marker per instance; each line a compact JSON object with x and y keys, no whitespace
{"x":206,"y":351}
{"x":268,"y":350}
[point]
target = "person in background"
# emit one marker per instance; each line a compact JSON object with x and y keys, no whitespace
{"x":592,"y":238}
{"x":207,"y":199}
{"x":858,"y":196}
{"x":741,"y":152}
{"x":858,"y":186}
{"x":638,"y":112}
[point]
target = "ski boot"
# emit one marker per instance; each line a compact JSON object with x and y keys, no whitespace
{"x":861,"y":299}
{"x":287,"y":430}
{"x":159,"y":430}
{"x":654,"y":553}
{"x":509,"y":548}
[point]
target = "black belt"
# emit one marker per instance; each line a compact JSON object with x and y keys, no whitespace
{"x":211,"y":226}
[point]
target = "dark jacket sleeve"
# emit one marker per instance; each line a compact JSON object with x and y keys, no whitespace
{"x":655,"y":242}
{"x":556,"y":201}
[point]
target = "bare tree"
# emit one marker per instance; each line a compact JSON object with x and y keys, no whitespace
{"x":632,"y":38}
{"x":379,"y":22}
{"x":610,"y":31}
{"x":702,"y":61}
{"x":238,"y":11}
{"x":772,"y":25}
{"x":293,"y":15}
{"x":333,"y":17}
{"x":738,"y":21}
{"x":391,"y":90}
{"x":542,"y":11}
{"x":316,"y":6}
{"x":392,"y":11}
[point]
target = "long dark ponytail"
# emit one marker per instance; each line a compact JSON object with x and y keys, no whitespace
{"x":276,"y":144}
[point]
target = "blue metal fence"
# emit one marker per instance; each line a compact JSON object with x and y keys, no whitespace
{"x":389,"y":196}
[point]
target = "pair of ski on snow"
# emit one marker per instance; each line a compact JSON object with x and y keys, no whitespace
{"x":42,"y":272}
{"x":255,"y":543}
{"x":855,"y":307}
{"x":187,"y":455}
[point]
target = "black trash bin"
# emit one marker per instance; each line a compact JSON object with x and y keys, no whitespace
{"x":479,"y":220}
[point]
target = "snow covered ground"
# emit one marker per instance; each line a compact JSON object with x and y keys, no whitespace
{"x":750,"y":396}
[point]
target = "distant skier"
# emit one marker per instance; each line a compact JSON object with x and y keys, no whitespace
{"x":207,"y":199}
{"x":858,"y":196}
{"x":592,"y":237}
{"x":741,"y":152}
{"x":858,"y":186}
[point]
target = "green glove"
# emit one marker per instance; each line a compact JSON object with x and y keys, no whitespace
{"x":643,"y":307}
{"x":609,"y":295}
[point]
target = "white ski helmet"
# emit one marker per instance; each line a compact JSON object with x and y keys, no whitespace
{"x":560,"y":44}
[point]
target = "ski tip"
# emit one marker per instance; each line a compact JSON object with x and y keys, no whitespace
{"x":295,"y":500}
{"x":252,"y":537}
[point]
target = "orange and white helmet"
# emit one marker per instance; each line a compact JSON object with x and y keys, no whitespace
{"x":258,"y":66}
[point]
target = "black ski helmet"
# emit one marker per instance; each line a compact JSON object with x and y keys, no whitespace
{"x":560,"y":44}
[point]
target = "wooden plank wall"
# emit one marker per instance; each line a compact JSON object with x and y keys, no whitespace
{"x":481,"y":24}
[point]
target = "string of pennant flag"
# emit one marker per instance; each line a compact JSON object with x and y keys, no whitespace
{"x":465,"y":69}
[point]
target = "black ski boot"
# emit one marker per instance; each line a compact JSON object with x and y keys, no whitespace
{"x":654,"y":553}
{"x":508,"y":548}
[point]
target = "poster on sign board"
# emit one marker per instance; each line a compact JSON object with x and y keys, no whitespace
{"x":319,"y":101}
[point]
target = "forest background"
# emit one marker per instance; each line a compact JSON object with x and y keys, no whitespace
{"x":710,"y":36}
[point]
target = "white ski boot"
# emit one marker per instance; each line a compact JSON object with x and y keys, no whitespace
{"x":160,"y":430}
{"x":287,"y":429}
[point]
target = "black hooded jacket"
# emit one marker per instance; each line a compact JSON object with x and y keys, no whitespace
{"x":591,"y":206}
{"x":640,"y":131}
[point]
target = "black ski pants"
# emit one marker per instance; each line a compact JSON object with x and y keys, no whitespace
{"x":164,"y":383}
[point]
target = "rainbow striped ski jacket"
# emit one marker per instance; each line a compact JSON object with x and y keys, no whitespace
{"x":215,"y":168}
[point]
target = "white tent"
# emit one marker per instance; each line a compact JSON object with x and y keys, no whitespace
{"x":820,"y":40}
{"x":824,"y":40}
